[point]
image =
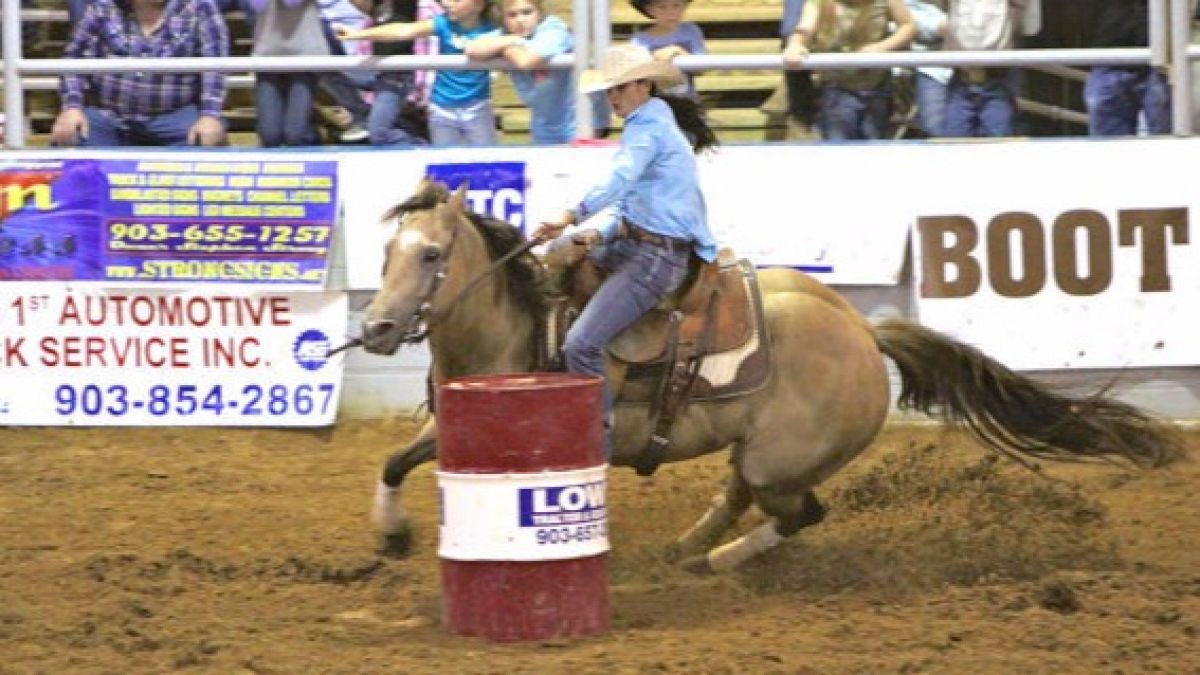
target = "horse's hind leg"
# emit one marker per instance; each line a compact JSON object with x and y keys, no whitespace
{"x":725,"y":510}
{"x":789,"y":512}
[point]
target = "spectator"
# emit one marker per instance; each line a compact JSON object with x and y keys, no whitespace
{"x":982,"y":101}
{"x":669,"y":36}
{"x":144,"y":108}
{"x":460,"y":110}
{"x":930,"y":82}
{"x":75,"y":9}
{"x":345,"y":89}
{"x":392,"y":89}
{"x":533,"y":39}
{"x":801,"y":92}
{"x":855,"y":103}
{"x":285,"y":100}
{"x":423,"y":79}
{"x":1115,"y":95}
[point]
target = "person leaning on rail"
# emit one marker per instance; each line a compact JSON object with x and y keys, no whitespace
{"x":856,"y":103}
{"x":1116,"y":96}
{"x":533,"y":38}
{"x":113,"y":109}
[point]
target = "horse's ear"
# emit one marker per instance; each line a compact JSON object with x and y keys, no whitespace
{"x":459,"y":199}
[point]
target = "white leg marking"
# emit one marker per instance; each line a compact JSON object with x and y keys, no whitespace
{"x":759,"y":540}
{"x":387,"y":512}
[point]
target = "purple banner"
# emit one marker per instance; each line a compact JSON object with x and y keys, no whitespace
{"x":256,"y":222}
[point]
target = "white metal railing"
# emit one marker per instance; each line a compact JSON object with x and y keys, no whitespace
{"x":589,"y":41}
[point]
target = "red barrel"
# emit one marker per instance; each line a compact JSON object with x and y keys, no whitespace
{"x":524,"y":528}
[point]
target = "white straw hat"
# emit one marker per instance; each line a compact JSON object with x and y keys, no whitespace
{"x":629,"y":63}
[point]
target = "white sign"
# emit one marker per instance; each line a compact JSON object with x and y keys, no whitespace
{"x":126,"y":357}
{"x":1062,"y":255}
{"x":553,"y":515}
{"x":837,"y":212}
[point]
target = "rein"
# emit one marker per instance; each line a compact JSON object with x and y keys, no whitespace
{"x":424,"y":318}
{"x":488,"y":271}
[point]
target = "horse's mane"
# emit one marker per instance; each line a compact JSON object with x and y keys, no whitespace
{"x":524,"y":272}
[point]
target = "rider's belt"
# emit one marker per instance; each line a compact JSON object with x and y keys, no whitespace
{"x":980,"y":75}
{"x":640,"y":235}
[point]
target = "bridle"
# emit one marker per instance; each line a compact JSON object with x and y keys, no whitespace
{"x":423,"y":317}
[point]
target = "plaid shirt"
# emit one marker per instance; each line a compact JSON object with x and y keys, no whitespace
{"x":109,"y":29}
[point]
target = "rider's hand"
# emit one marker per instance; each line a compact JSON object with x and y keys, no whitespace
{"x":588,"y":239}
{"x":343,"y":32}
{"x":551,"y":229}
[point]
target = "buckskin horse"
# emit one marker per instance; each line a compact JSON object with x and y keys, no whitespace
{"x":823,"y":400}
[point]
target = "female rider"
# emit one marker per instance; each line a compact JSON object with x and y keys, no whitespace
{"x":659,"y":217}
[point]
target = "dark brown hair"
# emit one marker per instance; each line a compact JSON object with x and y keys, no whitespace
{"x":690,"y":117}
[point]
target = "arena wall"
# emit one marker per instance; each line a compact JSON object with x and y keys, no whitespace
{"x":1069,"y":260}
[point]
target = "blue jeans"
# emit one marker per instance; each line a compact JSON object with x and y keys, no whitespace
{"x":931,"y":104}
{"x":105,"y":129}
{"x":390,"y":96}
{"x":345,"y":88}
{"x":847,"y":114}
{"x":1115,"y":96}
{"x":640,"y":276}
{"x":284,"y":103}
{"x":974,"y":110}
{"x":472,"y":124}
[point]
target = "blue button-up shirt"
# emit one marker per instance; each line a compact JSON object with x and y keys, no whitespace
{"x":654,"y":183}
{"x":109,"y":29}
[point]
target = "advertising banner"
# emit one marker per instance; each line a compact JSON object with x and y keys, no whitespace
{"x":1070,"y":261}
{"x":200,"y":219}
{"x":91,"y":356}
{"x":838,"y":213}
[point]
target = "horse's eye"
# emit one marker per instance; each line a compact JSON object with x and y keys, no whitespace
{"x":431,"y":254}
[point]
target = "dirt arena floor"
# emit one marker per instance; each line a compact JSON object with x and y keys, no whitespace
{"x":249,"y":551}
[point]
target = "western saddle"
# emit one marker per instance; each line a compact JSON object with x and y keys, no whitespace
{"x":706,"y":341}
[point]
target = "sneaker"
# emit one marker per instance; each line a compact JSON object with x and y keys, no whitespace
{"x":355,"y":134}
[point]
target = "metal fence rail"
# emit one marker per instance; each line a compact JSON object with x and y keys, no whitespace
{"x":1170,"y":34}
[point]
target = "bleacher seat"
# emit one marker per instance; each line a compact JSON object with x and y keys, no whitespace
{"x":733,"y":97}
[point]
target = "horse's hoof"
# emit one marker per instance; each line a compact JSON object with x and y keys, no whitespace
{"x":697,"y":564}
{"x":396,"y":544}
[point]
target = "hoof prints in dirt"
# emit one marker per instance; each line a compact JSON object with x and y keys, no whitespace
{"x":138,"y":573}
{"x":918,"y":521}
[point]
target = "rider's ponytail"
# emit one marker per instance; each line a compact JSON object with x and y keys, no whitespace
{"x":690,"y":118}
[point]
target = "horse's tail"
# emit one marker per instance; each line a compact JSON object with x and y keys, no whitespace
{"x":1012,"y":413}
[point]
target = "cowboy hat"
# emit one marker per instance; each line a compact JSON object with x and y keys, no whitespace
{"x":640,"y":6}
{"x":629,"y":63}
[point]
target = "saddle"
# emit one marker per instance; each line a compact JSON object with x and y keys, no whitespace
{"x":705,"y":341}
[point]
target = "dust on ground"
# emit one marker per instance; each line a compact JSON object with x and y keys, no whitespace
{"x":249,"y":551}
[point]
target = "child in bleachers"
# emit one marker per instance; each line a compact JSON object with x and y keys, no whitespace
{"x":533,"y":39}
{"x":460,"y":109}
{"x":391,"y":89}
{"x":669,"y":36}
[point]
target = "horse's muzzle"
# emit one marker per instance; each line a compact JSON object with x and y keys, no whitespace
{"x":380,"y":336}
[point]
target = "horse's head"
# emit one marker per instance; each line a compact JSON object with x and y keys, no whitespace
{"x":416,"y":258}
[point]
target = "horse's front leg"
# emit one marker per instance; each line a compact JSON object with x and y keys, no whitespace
{"x":388,"y":514}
